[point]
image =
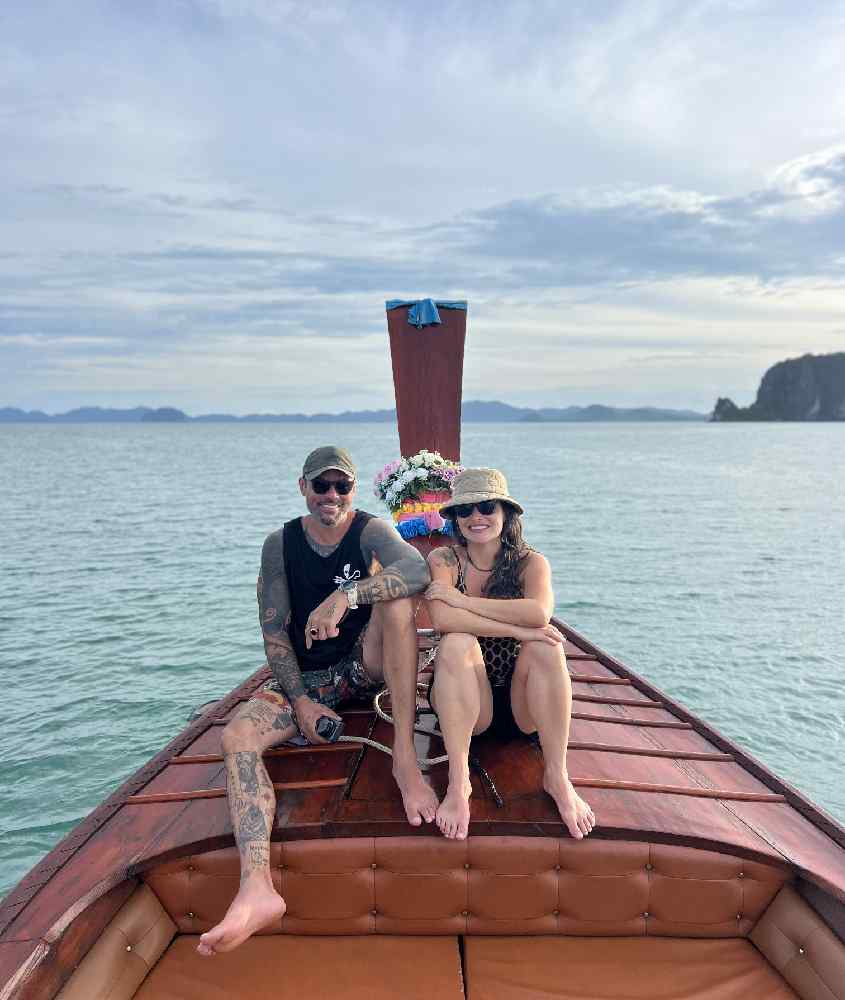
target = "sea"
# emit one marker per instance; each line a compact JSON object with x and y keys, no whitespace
{"x":709,"y":558}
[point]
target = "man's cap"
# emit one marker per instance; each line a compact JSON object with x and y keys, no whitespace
{"x":325,"y":458}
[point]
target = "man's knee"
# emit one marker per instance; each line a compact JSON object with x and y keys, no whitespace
{"x":397,"y":612}
{"x":240,"y":736}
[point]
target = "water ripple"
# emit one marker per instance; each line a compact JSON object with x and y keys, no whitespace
{"x":709,"y":559}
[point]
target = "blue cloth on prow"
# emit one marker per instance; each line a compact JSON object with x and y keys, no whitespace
{"x":423,"y":312}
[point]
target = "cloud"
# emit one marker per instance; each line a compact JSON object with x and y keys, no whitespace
{"x":605,"y":182}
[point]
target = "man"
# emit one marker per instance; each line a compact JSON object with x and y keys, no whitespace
{"x":332,"y":630}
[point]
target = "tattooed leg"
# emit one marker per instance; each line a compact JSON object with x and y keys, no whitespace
{"x":392,"y":638}
{"x":261,"y":723}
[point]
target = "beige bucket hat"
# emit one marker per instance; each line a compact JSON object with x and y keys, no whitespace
{"x":475,"y":485}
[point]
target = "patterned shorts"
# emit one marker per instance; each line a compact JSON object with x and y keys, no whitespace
{"x":346,"y":680}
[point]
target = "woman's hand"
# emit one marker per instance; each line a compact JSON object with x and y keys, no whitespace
{"x":548,"y":633}
{"x":439,"y":591}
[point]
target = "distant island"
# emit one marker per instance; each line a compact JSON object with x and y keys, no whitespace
{"x":809,"y":388}
{"x":474,"y":411}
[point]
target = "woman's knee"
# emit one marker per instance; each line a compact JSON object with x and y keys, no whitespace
{"x":538,"y":655}
{"x":458,"y":649}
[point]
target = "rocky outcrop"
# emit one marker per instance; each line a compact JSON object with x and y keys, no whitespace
{"x":808,"y":388}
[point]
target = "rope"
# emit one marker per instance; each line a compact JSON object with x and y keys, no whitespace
{"x":424,"y":762}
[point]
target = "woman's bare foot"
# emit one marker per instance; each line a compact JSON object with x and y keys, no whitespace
{"x":255,"y":906}
{"x":418,"y":796}
{"x":453,"y":811}
{"x":574,"y":811}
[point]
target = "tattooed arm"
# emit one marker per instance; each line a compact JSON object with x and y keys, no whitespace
{"x":273,"y":613}
{"x":404,"y":571}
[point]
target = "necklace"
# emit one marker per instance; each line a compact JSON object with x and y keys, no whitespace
{"x":480,"y":570}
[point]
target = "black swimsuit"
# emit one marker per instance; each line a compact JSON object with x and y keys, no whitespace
{"x":499,"y":654}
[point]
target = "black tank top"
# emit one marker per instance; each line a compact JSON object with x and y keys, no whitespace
{"x":311,"y":578}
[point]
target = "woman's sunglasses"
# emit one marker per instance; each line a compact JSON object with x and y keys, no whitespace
{"x":466,"y":509}
{"x":343,"y":486}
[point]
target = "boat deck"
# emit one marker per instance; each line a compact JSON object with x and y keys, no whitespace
{"x":650,"y":769}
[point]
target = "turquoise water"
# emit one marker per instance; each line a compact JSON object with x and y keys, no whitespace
{"x":708,"y":558}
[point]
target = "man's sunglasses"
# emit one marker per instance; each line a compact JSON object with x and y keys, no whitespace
{"x":343,"y":486}
{"x":466,"y":509}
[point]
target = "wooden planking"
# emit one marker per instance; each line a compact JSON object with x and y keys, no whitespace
{"x":286,"y":751}
{"x":724,"y":758}
{"x":602,"y":731}
{"x":805,"y":846}
{"x":602,"y":699}
{"x":220,"y":793}
{"x":578,"y":678}
{"x":817,"y":817}
{"x":621,"y":720}
{"x":692,"y":791}
{"x":14,"y":956}
{"x":61,"y":956}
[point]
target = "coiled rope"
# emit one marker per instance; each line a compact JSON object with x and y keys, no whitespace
{"x":424,"y":762}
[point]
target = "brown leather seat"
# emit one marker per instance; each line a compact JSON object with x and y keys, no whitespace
{"x":291,"y":967}
{"x":521,"y":968}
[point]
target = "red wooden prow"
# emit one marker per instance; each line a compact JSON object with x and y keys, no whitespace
{"x":428,"y":367}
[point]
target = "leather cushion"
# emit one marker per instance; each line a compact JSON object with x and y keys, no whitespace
{"x":805,"y":951}
{"x":311,"y":968}
{"x":519,"y":968}
{"x":484,"y":885}
{"x":125,"y":952}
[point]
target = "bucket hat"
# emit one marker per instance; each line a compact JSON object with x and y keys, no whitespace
{"x":475,"y":485}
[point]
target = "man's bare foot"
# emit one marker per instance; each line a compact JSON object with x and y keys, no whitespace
{"x":574,"y":811}
{"x":453,"y":811}
{"x":255,"y":906}
{"x":418,"y":796}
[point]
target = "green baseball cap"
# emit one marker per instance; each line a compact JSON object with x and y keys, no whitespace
{"x":325,"y":458}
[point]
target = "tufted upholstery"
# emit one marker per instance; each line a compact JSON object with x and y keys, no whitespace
{"x":128,"y":948}
{"x":802,"y":948}
{"x":484,"y":885}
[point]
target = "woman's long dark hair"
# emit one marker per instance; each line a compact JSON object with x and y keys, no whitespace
{"x":505,"y":580}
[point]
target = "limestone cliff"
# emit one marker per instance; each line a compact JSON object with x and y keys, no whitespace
{"x":808,"y":388}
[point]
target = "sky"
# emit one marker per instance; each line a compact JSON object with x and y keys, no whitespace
{"x":206,"y":203}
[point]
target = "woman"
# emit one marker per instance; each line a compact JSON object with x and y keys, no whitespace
{"x":500,"y":661}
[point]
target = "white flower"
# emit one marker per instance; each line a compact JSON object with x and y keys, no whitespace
{"x":418,"y":459}
{"x":408,"y":476}
{"x":422,"y":474}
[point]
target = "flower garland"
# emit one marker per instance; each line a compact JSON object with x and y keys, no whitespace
{"x":414,"y":489}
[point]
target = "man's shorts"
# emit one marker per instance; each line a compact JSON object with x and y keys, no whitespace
{"x":346,"y":680}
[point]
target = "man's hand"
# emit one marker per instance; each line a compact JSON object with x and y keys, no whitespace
{"x":323,"y":620}
{"x":548,"y":633}
{"x":445,"y":592}
{"x":308,"y":714}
